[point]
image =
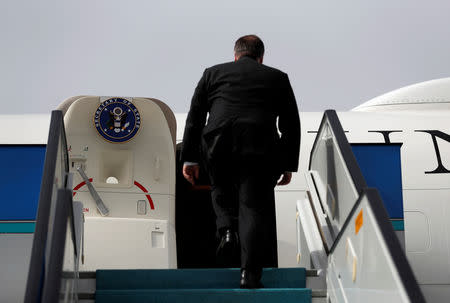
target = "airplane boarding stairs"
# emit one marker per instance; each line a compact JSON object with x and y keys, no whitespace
{"x":201,"y":285}
{"x":344,"y":238}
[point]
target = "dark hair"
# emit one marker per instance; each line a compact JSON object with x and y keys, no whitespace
{"x":249,"y":45}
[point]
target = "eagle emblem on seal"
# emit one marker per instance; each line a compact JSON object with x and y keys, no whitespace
{"x":117,"y":120}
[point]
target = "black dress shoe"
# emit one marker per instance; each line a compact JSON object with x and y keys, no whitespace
{"x":251,"y":279}
{"x":228,"y":252}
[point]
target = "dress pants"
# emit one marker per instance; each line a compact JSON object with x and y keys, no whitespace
{"x":244,"y":201}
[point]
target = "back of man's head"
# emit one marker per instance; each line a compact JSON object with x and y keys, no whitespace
{"x":249,"y":45}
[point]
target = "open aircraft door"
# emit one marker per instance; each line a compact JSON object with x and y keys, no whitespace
{"x":122,"y":155}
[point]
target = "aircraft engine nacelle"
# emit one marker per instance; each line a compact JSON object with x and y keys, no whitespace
{"x":122,"y":156}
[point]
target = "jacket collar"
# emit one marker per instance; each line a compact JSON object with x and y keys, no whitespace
{"x":247,"y":57}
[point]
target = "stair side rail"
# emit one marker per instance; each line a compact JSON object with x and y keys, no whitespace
{"x":334,"y":183}
{"x":56,"y":242}
{"x":335,"y":175}
{"x":365,"y":260}
{"x":367,"y":263}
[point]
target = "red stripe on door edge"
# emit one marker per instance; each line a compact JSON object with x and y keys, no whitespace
{"x":152,"y":206}
{"x":80,"y":185}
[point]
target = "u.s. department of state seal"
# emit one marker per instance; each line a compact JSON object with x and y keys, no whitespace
{"x":117,"y":120}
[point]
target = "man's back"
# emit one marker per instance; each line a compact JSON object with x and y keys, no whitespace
{"x":246,"y":90}
{"x":244,"y":99}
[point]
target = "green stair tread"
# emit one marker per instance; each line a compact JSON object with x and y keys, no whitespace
{"x":195,"y":278}
{"x":265,"y":295}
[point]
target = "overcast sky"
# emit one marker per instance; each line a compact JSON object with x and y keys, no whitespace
{"x":338,"y":54}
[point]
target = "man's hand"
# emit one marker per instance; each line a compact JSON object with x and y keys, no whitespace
{"x":191,"y":173}
{"x":285,"y":178}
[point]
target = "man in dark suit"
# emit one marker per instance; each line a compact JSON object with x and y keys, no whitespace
{"x":243,"y":151}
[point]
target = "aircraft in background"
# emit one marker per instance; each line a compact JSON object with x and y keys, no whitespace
{"x":411,"y":170}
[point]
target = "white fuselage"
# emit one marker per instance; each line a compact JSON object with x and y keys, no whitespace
{"x":426,"y":195}
{"x":424,"y":132}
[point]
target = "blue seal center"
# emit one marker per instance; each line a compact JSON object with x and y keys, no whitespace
{"x":117,"y":120}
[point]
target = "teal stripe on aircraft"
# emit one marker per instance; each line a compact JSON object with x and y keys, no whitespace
{"x":28,"y":227}
{"x":17,"y":227}
{"x":398,"y":224}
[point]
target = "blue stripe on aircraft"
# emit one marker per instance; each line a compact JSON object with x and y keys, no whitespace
{"x":20,"y":181}
{"x":381,"y":166}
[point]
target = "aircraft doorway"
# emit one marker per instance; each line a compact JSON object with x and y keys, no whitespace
{"x":195,"y":222}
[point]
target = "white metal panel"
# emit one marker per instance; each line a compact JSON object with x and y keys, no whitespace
{"x":321,"y":215}
{"x":125,"y":205}
{"x":144,"y":168}
{"x":151,"y":158}
{"x":24,"y":129}
{"x":181,"y":123}
{"x":427,"y":234}
{"x":285,"y":206}
{"x":333,"y":181}
{"x":309,"y":243}
{"x":434,"y":93}
{"x":121,"y":243}
{"x":436,"y":293}
{"x":361,"y":268}
{"x":15,"y":253}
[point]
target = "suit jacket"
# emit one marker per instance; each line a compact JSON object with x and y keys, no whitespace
{"x":244,"y":100}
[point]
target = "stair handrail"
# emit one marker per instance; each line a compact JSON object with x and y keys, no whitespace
{"x":340,"y":170}
{"x":331,"y":135}
{"x":55,"y":208}
{"x":370,"y":201}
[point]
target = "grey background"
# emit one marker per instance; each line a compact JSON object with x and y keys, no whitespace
{"x":338,"y":54}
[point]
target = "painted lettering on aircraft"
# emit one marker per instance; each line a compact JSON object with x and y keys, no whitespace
{"x":441,"y":169}
{"x":385,"y":134}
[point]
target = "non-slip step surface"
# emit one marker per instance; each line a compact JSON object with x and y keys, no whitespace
{"x":224,"y":278}
{"x":285,"y":295}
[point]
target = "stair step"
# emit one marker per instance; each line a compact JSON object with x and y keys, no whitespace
{"x":223,"y":278}
{"x":285,"y":295}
